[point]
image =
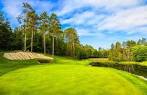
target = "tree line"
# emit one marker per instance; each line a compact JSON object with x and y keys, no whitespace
{"x":129,"y":51}
{"x":42,"y":33}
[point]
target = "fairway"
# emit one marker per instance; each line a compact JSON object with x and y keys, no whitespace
{"x":70,"y":80}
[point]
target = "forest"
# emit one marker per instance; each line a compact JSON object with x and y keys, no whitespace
{"x":44,"y":33}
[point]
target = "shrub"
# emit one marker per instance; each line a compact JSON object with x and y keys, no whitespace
{"x":140,"y":53}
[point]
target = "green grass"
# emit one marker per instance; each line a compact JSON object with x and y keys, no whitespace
{"x":67,"y":76}
{"x":8,"y":65}
{"x":144,"y":63}
{"x":70,"y":61}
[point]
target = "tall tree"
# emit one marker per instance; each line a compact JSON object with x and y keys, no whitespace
{"x":130,"y":43}
{"x":142,"y":41}
{"x":22,"y":21}
{"x":32,"y":24}
{"x":71,"y":38}
{"x":31,"y":20}
{"x":5,"y":33}
{"x":116,"y":52}
{"x":44,"y":27}
{"x":55,"y":30}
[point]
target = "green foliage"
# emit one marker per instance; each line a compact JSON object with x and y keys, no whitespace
{"x":139,"y":53}
{"x":17,"y":43}
{"x":81,"y":52}
{"x":56,"y":33}
{"x":115,"y":52}
{"x":5,"y":34}
{"x":102,"y":53}
{"x":55,"y":26}
{"x":44,"y":27}
{"x":142,"y":41}
{"x":71,"y":39}
{"x":129,"y":51}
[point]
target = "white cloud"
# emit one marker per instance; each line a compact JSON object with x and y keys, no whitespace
{"x":127,"y":20}
{"x":40,"y":6}
{"x":126,"y":15}
{"x":84,"y":32}
{"x":90,"y":32}
{"x":111,"y":5}
{"x":12,"y":8}
{"x":79,"y":18}
{"x":86,"y":18}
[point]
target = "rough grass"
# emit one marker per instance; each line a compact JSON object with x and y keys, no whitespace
{"x":67,"y":76}
{"x":70,"y":61}
{"x":100,"y":60}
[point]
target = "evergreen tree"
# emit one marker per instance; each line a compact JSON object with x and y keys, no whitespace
{"x":55,"y":32}
{"x":44,"y":27}
{"x":5,"y":33}
{"x":71,"y":38}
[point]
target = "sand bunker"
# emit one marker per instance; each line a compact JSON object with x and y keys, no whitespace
{"x":19,"y":55}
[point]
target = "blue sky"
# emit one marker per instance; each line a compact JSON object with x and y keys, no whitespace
{"x":98,"y":22}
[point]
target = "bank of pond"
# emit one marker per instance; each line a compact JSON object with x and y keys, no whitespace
{"x":133,"y":68}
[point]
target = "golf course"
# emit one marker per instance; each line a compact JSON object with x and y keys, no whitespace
{"x":73,"y":47}
{"x":66,"y":76}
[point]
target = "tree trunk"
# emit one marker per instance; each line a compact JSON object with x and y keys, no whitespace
{"x":53,"y":46}
{"x":25,"y":39}
{"x":32,"y":41}
{"x":73,"y":49}
{"x":44,"y":43}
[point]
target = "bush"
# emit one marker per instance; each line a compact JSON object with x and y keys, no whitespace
{"x":140,"y":53}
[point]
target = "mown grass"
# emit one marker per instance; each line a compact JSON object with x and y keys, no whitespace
{"x":70,"y":61}
{"x":67,"y":76}
{"x":70,"y":80}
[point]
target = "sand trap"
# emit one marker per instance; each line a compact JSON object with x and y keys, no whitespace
{"x":19,"y":55}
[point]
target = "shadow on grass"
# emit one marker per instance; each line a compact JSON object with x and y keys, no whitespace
{"x":8,"y":65}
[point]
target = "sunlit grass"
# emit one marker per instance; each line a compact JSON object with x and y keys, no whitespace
{"x":66,"y":76}
{"x":70,"y":80}
{"x":100,"y":59}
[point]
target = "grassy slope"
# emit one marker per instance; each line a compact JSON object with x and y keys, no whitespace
{"x":64,"y":79}
{"x":8,"y":65}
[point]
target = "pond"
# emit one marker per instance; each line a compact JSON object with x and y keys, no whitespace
{"x":136,"y":69}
